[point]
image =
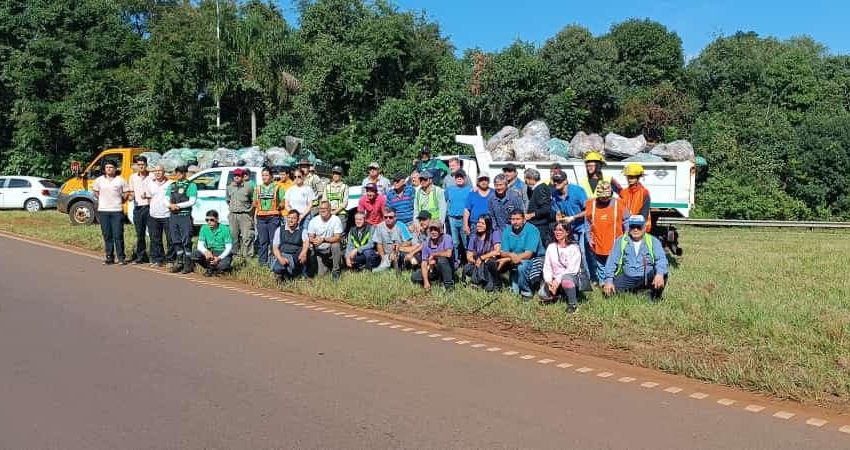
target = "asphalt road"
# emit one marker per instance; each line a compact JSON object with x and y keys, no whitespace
{"x":95,"y":357}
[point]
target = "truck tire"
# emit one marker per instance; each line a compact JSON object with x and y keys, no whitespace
{"x":81,"y":213}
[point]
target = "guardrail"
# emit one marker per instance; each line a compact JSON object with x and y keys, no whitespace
{"x":753,"y":223}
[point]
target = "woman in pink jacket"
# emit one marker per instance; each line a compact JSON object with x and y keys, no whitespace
{"x":561,"y":268}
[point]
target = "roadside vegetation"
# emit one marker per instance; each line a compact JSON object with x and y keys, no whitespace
{"x":767,"y":311}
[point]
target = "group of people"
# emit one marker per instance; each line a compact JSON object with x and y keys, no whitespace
{"x":554,"y":240}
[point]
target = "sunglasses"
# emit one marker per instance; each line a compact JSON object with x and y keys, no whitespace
{"x":297,"y":177}
{"x":433,"y":229}
{"x":635,"y":227}
{"x":389,"y":217}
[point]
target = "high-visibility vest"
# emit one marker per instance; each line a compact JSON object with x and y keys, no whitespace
{"x":364,"y":239}
{"x":432,"y":206}
{"x":624,"y":243}
{"x":260,"y":194}
{"x":585,"y":184}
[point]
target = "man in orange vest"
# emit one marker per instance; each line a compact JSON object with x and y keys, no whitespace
{"x":606,"y":218}
{"x":268,"y":201}
{"x":636,"y":196}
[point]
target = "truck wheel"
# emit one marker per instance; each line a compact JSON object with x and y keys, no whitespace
{"x":32,"y":205}
{"x":81,"y":213}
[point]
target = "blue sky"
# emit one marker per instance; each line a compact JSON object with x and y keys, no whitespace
{"x":492,"y":25}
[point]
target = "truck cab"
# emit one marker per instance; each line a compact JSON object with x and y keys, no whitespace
{"x":76,"y":197}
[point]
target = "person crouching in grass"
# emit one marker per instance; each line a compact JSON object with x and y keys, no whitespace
{"x":214,"y":246}
{"x":437,"y":259}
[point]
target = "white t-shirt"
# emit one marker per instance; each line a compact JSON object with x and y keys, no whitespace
{"x":158,"y":201}
{"x":137,"y":185}
{"x":110,"y":192}
{"x":636,"y":245}
{"x":300,"y":198}
{"x":324,"y":229}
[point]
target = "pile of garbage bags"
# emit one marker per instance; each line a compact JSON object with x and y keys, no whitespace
{"x":294,"y":151}
{"x":535,"y":143}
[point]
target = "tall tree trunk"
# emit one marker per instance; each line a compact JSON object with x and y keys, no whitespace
{"x":253,"y":127}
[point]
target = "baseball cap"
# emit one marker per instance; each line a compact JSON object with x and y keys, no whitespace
{"x":336,"y":169}
{"x":238,"y":172}
{"x":510,"y":167}
{"x":374,"y":165}
{"x":424,"y":215}
{"x":371,"y":187}
{"x":425,"y":150}
{"x":559,"y":177}
{"x":459,"y":174}
{"x":425,"y":175}
{"x":304,"y":162}
{"x":398,"y":177}
{"x":483,"y":176}
{"x":637,"y":220}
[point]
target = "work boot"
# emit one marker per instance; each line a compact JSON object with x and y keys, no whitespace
{"x":188,"y":266}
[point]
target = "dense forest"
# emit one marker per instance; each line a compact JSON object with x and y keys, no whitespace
{"x":364,"y":80}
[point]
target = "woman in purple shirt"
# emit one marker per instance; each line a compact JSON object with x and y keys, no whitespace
{"x":437,"y":258}
{"x":481,"y":253}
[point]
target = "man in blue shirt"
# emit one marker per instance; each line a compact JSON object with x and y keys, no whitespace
{"x":503,"y":203}
{"x":456,"y":194}
{"x":400,"y":198}
{"x":522,"y":253}
{"x":637,"y":262}
{"x":477,"y":204}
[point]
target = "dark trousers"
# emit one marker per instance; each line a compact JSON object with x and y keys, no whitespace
{"x":486,"y":276}
{"x":180,"y":228}
{"x":158,"y":227}
{"x":367,"y":259}
{"x":222,"y":266}
{"x":330,"y":259}
{"x":623,"y":283}
{"x":141,"y":214}
{"x":444,"y":270}
{"x":266,"y":227}
{"x":545,"y":230}
{"x":112,"y":228}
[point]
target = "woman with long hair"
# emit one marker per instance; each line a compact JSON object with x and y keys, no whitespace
{"x":481,"y":254}
{"x":561,"y":268}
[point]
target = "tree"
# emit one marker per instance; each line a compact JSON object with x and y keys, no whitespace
{"x":647,"y":52}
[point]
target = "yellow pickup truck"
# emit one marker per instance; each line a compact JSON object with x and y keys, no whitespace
{"x":76,"y":197}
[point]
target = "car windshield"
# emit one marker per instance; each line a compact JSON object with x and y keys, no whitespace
{"x":49,"y":184}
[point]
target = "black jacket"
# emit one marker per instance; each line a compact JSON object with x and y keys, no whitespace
{"x":540,"y":203}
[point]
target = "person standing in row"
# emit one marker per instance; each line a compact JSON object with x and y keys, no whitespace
{"x":141,"y":208}
{"x":111,"y":191}
{"x":400,"y":198}
{"x":336,"y":193}
{"x":299,"y":197}
{"x":636,"y":196}
{"x":372,"y":205}
{"x":154,"y":189}
{"x":593,"y":163}
{"x":268,"y":203}
{"x":182,"y":195}
{"x":430,"y":198}
{"x":456,"y":196}
{"x":375,"y":177}
{"x":539,"y":210}
{"x":515,"y":184}
{"x":240,"y":200}
{"x":503,"y":203}
{"x":313,"y":181}
{"x":477,"y":203}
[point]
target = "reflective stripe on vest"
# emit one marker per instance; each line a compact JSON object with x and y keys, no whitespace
{"x":593,"y":214}
{"x":363,"y":241}
{"x":585,"y":184}
{"x":264,"y":195}
{"x":624,"y":244}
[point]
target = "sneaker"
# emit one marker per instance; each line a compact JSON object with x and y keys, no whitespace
{"x":121,"y":262}
{"x":385,"y":264}
{"x":108,"y":262}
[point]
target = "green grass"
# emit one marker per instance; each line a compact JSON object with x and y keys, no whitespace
{"x":768,"y":311}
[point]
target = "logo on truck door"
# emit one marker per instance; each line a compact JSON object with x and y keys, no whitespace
{"x":660,"y":174}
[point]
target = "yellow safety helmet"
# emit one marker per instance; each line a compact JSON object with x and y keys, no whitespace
{"x":593,"y":155}
{"x":633,"y":170}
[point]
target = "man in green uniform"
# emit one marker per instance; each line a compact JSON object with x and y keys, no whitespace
{"x":214,"y":246}
{"x":336,"y":193}
{"x":240,"y":201}
{"x":182,"y":195}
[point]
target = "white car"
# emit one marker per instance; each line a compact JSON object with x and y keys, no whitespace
{"x":29,"y":193}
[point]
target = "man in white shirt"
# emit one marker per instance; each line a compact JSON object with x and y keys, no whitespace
{"x":141,"y":208}
{"x":300,"y":197}
{"x":325,"y":234}
{"x":111,"y":192}
{"x":154,"y":192}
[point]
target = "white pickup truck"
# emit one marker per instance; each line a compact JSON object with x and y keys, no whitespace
{"x":670,"y":184}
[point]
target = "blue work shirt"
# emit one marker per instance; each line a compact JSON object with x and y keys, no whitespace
{"x":402,"y":203}
{"x":477,"y":205}
{"x":635,"y":264}
{"x":527,"y":240}
{"x":500,"y":209}
{"x":571,"y":204}
{"x":456,"y":199}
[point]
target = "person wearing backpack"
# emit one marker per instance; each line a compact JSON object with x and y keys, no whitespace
{"x":636,"y":263}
